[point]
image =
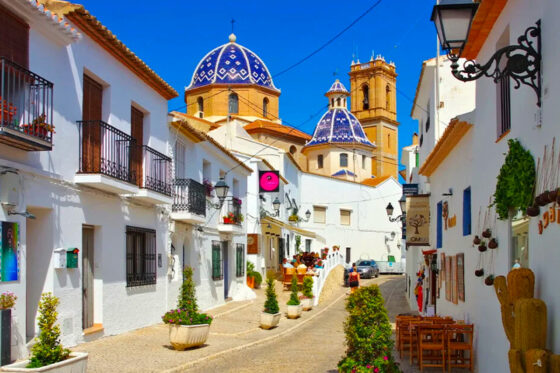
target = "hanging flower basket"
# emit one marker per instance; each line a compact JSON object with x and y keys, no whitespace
{"x":479,"y":272}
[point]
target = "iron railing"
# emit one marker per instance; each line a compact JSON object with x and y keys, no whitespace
{"x":232,"y":211}
{"x":156,"y":174}
{"x":189,"y":196}
{"x":26,"y":101}
{"x":106,"y":150}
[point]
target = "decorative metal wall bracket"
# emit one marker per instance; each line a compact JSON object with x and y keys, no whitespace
{"x":522,"y":63}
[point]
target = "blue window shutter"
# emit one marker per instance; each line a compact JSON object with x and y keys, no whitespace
{"x":467,"y":218}
{"x":439,"y":225}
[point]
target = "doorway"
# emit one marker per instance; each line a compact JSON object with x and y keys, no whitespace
{"x":225,"y":249}
{"x":348,"y":252}
{"x":281,"y":253}
{"x":87,"y":276}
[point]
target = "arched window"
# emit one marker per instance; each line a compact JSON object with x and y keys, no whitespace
{"x":388,"y":140}
{"x":332,"y":103}
{"x":365,"y":92}
{"x":233,"y":103}
{"x":200,"y":103}
{"x":343,"y":160}
{"x":338,"y":102}
{"x":265,"y":107}
{"x":388,"y":97}
{"x":293,"y":150}
{"x":320,"y":161}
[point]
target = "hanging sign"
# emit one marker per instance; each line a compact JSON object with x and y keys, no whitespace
{"x":418,"y":220}
{"x":269,"y":181}
{"x":410,"y":189}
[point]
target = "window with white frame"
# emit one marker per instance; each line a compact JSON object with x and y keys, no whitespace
{"x":179,"y":160}
{"x":319,"y":214}
{"x":345,"y":217}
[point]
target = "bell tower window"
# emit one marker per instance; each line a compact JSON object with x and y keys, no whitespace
{"x":200,"y":104}
{"x":365,"y":92}
{"x":388,"y":97}
{"x":343,"y":160}
{"x":320,"y":161}
{"x":265,"y":107}
{"x":233,"y":103}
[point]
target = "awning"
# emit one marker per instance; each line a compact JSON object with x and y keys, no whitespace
{"x":303,"y":232}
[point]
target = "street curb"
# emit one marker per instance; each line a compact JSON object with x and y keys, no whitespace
{"x":190,"y":364}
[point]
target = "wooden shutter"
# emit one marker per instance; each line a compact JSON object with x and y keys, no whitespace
{"x":137,"y":133}
{"x":319,"y":214}
{"x":345,"y":217}
{"x":216,"y":260}
{"x":467,"y":212}
{"x":240,"y":260}
{"x":14,"y":38}
{"x":91,"y":128}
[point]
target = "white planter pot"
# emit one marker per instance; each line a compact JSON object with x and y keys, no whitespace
{"x":307,"y":303}
{"x":270,"y":320}
{"x":76,"y":363}
{"x":294,"y":311}
{"x":182,"y":337}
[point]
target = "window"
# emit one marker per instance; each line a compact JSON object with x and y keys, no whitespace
{"x":364,"y":158}
{"x":217,"y":273}
{"x":307,"y":245}
{"x":140,"y":256}
{"x":343,"y":160}
{"x":265,"y":107}
{"x":14,"y":38}
{"x":388,"y":140}
{"x":332,"y":103}
{"x":319,"y":214}
{"x":320,"y":161}
{"x":240,"y":260}
{"x":345,"y":217}
{"x":179,"y":160}
{"x":467,"y":212}
{"x":388,"y":97}
{"x":439,"y":225}
{"x":233,"y":104}
{"x":200,"y":102}
{"x":293,"y":150}
{"x":365,"y":93}
{"x":338,"y":102}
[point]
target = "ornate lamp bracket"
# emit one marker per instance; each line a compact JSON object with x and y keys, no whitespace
{"x":521,"y":62}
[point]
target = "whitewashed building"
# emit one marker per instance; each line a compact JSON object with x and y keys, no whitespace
{"x":83,"y":170}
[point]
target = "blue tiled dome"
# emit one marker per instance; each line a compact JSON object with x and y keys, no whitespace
{"x":231,"y":63}
{"x":339,"y":88}
{"x":339,"y":126}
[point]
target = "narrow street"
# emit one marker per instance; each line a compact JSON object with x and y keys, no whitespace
{"x":315,"y":347}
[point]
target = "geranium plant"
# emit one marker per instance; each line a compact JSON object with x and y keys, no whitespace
{"x":7,"y":300}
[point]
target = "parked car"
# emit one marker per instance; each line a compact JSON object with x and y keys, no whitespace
{"x":367,"y":268}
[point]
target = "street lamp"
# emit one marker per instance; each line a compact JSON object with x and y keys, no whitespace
{"x":307,"y":215}
{"x":390,"y":209}
{"x":221,"y":189}
{"x":521,"y":62}
{"x":276,"y":206}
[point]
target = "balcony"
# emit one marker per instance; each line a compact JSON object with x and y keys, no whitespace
{"x":26,"y":108}
{"x":155,"y":184}
{"x":232,"y":219}
{"x":107,"y":158}
{"x":189,"y":202}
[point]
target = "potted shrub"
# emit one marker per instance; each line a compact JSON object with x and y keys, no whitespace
{"x":258,"y":279}
{"x":187,"y":327}
{"x":270,"y":317}
{"x":294,"y":305}
{"x":307,"y":297}
{"x":47,"y":354}
{"x":7,"y":302}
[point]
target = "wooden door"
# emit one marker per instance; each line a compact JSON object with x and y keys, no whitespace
{"x":137,"y":133}
{"x":91,"y":128}
{"x":14,"y":38}
{"x":87,"y":276}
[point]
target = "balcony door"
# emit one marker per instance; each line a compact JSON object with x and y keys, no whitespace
{"x":137,"y":133}
{"x":14,"y":38}
{"x":91,"y":130}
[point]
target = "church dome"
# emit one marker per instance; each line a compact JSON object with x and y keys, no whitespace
{"x":231,"y":63}
{"x":338,"y":125}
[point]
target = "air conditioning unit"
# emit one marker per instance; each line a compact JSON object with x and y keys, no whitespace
{"x":9,"y":189}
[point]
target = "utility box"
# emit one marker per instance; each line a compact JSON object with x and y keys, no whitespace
{"x":60,"y":258}
{"x":72,"y":258}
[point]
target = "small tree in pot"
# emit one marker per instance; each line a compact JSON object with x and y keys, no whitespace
{"x":187,"y":327}
{"x":307,"y":297}
{"x":270,"y":317}
{"x":294,"y":305}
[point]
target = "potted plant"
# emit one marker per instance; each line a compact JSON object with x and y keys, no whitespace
{"x":293,"y":218}
{"x":187,"y":327}
{"x":208,"y":186}
{"x":47,"y":354}
{"x":479,"y":272}
{"x":7,"y":302}
{"x":307,"y":290}
{"x":250,"y":280}
{"x":482,"y":246}
{"x":229,"y":218}
{"x":492,"y":244}
{"x":294,"y":305}
{"x":270,"y":317}
{"x":489,"y":280}
{"x":476,"y":240}
{"x":258,"y":279}
{"x":238,"y":219}
{"x":487,"y":233}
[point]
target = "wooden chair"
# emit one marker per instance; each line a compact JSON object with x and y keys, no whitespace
{"x":431,"y":339}
{"x":413,"y":328}
{"x":288,"y":274}
{"x":399,"y":320}
{"x":459,"y":341}
{"x":301,"y":272}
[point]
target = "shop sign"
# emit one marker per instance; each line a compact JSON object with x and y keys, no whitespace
{"x":418,"y":220}
{"x":252,"y":243}
{"x":410,"y":189}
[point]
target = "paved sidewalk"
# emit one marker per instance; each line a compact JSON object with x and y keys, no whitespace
{"x":235,"y":326}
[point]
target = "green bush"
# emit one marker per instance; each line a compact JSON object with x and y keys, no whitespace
{"x":294,"y":300}
{"x":307,"y":287}
{"x":271,"y":304}
{"x":368,"y":333}
{"x":250,"y":268}
{"x":48,"y":349}
{"x":258,"y":278}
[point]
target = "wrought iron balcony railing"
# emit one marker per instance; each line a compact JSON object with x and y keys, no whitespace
{"x":156,"y":174}
{"x":189,"y":196}
{"x":232,"y":212}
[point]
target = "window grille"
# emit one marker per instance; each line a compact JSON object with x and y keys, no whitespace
{"x":140,"y":256}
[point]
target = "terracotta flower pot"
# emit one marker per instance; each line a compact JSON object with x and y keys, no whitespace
{"x":251,"y":282}
{"x":487,"y":233}
{"x":493,"y":243}
{"x":533,"y":211}
{"x":482,"y":247}
{"x":542,"y":199}
{"x":489,"y":280}
{"x":479,"y":272}
{"x":476,"y":240}
{"x":553,"y":195}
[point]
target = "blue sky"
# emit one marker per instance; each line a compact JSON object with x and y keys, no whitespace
{"x":172,"y":38}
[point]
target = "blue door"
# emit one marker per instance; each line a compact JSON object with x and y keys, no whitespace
{"x":439,"y":225}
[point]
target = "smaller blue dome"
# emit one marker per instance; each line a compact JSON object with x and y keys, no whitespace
{"x":338,"y":88}
{"x":339,"y":126}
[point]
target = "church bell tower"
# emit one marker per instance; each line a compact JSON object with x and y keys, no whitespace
{"x":373,"y":102}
